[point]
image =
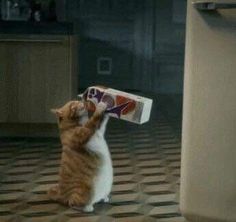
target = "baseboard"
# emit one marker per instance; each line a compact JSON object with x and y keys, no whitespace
{"x":29,"y":130}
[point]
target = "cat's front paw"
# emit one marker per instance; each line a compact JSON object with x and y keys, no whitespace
{"x":101,"y":107}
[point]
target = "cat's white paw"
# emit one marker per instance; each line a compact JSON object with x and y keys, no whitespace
{"x":106,"y":199}
{"x":88,"y":208}
{"x":101,"y":107}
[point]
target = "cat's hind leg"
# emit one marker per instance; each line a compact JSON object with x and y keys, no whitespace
{"x":75,"y":201}
{"x":88,"y":208}
{"x":106,"y":199}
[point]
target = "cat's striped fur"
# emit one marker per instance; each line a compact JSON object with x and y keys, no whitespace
{"x":84,"y":155}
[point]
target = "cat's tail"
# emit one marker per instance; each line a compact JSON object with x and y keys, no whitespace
{"x":54,"y":193}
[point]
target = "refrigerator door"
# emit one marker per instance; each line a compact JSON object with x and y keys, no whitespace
{"x":208,"y":170}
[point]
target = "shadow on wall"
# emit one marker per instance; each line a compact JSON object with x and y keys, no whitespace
{"x":117,"y":74}
{"x":160,"y":73}
{"x":145,"y":46}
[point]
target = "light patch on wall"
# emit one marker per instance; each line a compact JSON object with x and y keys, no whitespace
{"x":179,"y":11}
{"x":104,"y":65}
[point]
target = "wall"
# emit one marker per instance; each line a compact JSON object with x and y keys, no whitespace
{"x":169,"y":45}
{"x":144,"y":38}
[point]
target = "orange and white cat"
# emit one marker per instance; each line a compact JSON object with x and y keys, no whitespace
{"x":86,"y":172}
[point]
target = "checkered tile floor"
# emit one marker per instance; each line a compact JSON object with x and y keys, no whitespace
{"x":146,"y":163}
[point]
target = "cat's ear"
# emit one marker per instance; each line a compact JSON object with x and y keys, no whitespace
{"x":57,"y":112}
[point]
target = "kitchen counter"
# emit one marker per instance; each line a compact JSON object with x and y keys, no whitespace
{"x":38,"y":71}
{"x":26,"y":27}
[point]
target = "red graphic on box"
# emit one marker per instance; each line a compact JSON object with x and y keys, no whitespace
{"x":118,"y":105}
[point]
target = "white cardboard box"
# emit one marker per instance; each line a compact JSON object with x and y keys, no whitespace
{"x":122,"y":105}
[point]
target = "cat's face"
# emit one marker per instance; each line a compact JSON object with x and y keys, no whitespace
{"x":71,"y":111}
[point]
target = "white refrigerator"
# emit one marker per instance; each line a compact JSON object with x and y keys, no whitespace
{"x":208,"y":167}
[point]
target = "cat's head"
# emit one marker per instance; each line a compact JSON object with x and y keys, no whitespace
{"x":71,"y":112}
